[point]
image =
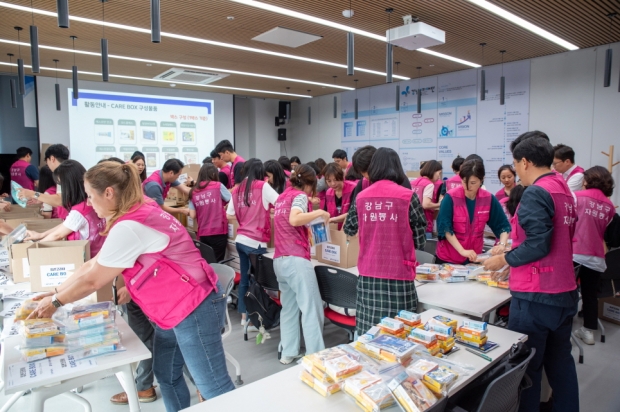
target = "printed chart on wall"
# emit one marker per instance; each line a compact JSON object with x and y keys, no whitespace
{"x":105,"y":124}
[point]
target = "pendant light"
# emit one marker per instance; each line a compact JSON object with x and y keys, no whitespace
{"x":502,"y":83}
{"x":608,"y":52}
{"x":74,"y":70}
{"x":356,"y":102}
{"x":57,"y":87}
{"x":389,"y":51}
{"x":105,"y":65}
{"x":12,"y":83}
{"x":34,"y":44}
{"x":397,"y":90}
{"x":483,"y":84}
{"x":155,"y":22}
{"x":350,"y":48}
{"x":335,"y":101}
{"x":419,"y":92}
{"x":62,"y":9}
{"x":21,"y":77}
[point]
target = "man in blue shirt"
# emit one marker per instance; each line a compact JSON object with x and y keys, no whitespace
{"x":156,"y":186}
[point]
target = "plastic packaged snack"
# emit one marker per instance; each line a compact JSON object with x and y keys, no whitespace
{"x":43,"y":341}
{"x":86,"y":315}
{"x":447,"y":321}
{"x":439,"y":328}
{"x":323,"y":389}
{"x":482,"y":257}
{"x":440,"y":379}
{"x":341,"y":368}
{"x":94,"y":340}
{"x":474,"y":324}
{"x":354,"y":385}
{"x":33,"y":354}
{"x":375,"y":397}
{"x":410,"y":316}
{"x":27,"y":307}
{"x":427,"y":268}
{"x":36,"y":328}
{"x":423,"y":335}
{"x":392,"y":325}
{"x":391,"y":348}
{"x":318,"y":359}
{"x":420,"y":367}
{"x":455,"y":279}
{"x":427,"y":277}
{"x":83,"y":353}
{"x":411,"y":393}
{"x":315,"y":372}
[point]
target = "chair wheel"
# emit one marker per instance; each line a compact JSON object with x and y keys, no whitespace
{"x":245,"y":336}
{"x":603,"y":338}
{"x":239,"y":382}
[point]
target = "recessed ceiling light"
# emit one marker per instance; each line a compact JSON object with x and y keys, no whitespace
{"x":431,"y":65}
{"x":230,"y":17}
{"x":192,"y":39}
{"x":149,"y":64}
{"x":523,"y":23}
{"x":348,"y":13}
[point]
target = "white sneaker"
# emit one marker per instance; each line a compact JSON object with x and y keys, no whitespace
{"x":252,"y":328}
{"x":243,"y":322}
{"x":585,"y":335}
{"x":285,"y":360}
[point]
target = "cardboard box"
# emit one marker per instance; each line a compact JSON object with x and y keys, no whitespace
{"x":37,"y":224}
{"x":609,"y":309}
{"x":20,"y":213}
{"x":50,"y":262}
{"x":20,"y":266}
{"x":342,"y":252}
{"x":192,"y":170}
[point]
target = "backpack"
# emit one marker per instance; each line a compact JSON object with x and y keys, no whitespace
{"x":261,"y":309}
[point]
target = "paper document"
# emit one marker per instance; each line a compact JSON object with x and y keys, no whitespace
{"x":31,"y":372}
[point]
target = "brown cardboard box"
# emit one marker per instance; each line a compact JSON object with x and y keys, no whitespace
{"x":50,"y":262}
{"x":170,"y":203}
{"x":20,"y":266}
{"x":609,"y":309}
{"x":20,"y":213}
{"x":181,"y":217}
{"x":342,"y":252}
{"x":192,"y":170}
{"x":36,"y":224}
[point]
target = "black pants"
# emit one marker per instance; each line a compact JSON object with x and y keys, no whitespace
{"x":589,"y":294}
{"x":218,"y":243}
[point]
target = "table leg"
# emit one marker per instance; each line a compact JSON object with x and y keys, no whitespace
{"x":12,"y":401}
{"x":37,"y":400}
{"x":125,"y":377}
{"x":80,"y":400}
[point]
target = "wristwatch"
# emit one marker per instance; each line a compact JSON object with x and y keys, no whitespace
{"x":36,"y":195}
{"x":56,"y":302}
{"x":502,"y":243}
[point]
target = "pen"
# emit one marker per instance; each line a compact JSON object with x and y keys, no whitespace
{"x":479,"y":354}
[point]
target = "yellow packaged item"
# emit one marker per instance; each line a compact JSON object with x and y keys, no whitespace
{"x":440,"y":378}
{"x":30,"y":354}
{"x":354,"y":385}
{"x":410,"y":323}
{"x":341,"y":368}
{"x":375,"y":397}
{"x":412,"y":399}
{"x":472,"y":338}
{"x":492,"y":283}
{"x":447,"y":321}
{"x":401,"y":335}
{"x":503,"y":284}
{"x":321,"y":388}
{"x":36,"y":328}
{"x":318,"y":359}
{"x":314,"y":371}
{"x":27,"y":307}
{"x":420,"y":367}
{"x":474,"y":332}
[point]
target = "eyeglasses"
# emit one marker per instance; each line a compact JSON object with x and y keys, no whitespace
{"x":557,"y":163}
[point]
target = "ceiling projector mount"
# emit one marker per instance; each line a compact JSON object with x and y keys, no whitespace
{"x":415,"y":35}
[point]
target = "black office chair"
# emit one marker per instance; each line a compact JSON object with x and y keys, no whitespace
{"x":431,"y":246}
{"x":339,"y":288}
{"x":208,"y":254}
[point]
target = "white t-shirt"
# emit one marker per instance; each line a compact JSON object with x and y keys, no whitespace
{"x":77,"y":223}
{"x":269,"y":198}
{"x":128,"y":240}
{"x":575,"y":183}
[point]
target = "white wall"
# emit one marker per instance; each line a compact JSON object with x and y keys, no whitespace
{"x":256,"y":134}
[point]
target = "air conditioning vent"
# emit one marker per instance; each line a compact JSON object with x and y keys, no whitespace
{"x":190,"y":76}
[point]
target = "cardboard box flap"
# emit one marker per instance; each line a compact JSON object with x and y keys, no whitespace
{"x":51,"y":262}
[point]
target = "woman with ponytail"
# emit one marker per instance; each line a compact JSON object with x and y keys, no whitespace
{"x":164,"y":275}
{"x":295,"y":273}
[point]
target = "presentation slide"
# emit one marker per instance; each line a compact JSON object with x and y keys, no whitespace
{"x":108,"y":124}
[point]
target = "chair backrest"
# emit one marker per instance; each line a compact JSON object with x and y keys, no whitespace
{"x":206,"y":252}
{"x":503,"y":395}
{"x":612,"y":259}
{"x":226,"y":276}
{"x":337,"y":287}
{"x":431,"y":246}
{"x":424,"y":257}
{"x":264,"y":273}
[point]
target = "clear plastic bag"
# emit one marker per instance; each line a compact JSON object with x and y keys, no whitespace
{"x":319,"y":232}
{"x":84,"y":316}
{"x":14,"y":188}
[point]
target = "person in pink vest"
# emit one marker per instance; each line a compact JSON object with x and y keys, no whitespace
{"x":338,"y":196}
{"x":158,"y":184}
{"x":510,"y":203}
{"x":183,"y":299}
{"x":321,"y":186}
{"x":224,"y":169}
{"x":424,"y":187}
{"x":227,"y":153}
{"x":463,"y":214}
{"x":250,"y":205}
{"x":23,"y":172}
{"x":341,"y":158}
{"x":564,"y":163}
{"x":47,"y":185}
{"x":54,"y":156}
{"x":295,"y":161}
{"x":207,"y":202}
{"x":508,"y":178}
{"x":594,"y":212}
{"x":295,"y":273}
{"x":542,"y":278}
{"x":455,"y":181}
{"x":276,"y":176}
{"x":390,"y":222}
{"x":82,"y":222}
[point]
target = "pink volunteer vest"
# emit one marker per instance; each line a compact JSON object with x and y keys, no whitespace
{"x":418,"y":186}
{"x":210,"y":214}
{"x":576,"y":170}
{"x":365,"y":183}
{"x":436,"y":190}
{"x":95,"y":226}
{"x":501,"y":194}
{"x":156,"y":177}
{"x":226,"y":171}
{"x":290,"y":240}
{"x":554,"y":273}
{"x":454,"y":182}
{"x":503,"y":204}
{"x":58,"y":212}
{"x":594,"y":212}
{"x":469,"y":235}
{"x":254,"y":221}
{"x":18,"y":174}
{"x":386,"y":240}
{"x":170,"y":284}
{"x":231,"y":173}
{"x":330,"y":199}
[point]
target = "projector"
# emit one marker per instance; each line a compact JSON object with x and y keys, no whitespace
{"x":416,"y":35}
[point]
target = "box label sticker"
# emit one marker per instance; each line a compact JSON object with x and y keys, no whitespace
{"x":331,"y":252}
{"x":25,"y":267}
{"x":231,"y":230}
{"x":190,"y":222}
{"x":54,"y":275}
{"x":611,"y":311}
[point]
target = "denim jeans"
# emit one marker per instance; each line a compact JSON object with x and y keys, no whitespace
{"x":244,"y":266}
{"x":300,"y":293}
{"x":197,"y":342}
{"x":548,"y":329}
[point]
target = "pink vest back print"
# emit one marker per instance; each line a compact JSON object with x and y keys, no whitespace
{"x":330,"y":199}
{"x":554,"y":273}
{"x":18,"y":174}
{"x":96,"y":225}
{"x":469,"y":235}
{"x":386,"y":240}
{"x":418,"y":186}
{"x":156,"y":177}
{"x":289,"y":240}
{"x":253,"y":220}
{"x":170,"y":284}
{"x":454,"y":182}
{"x":210,"y":214}
{"x":594,"y":212}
